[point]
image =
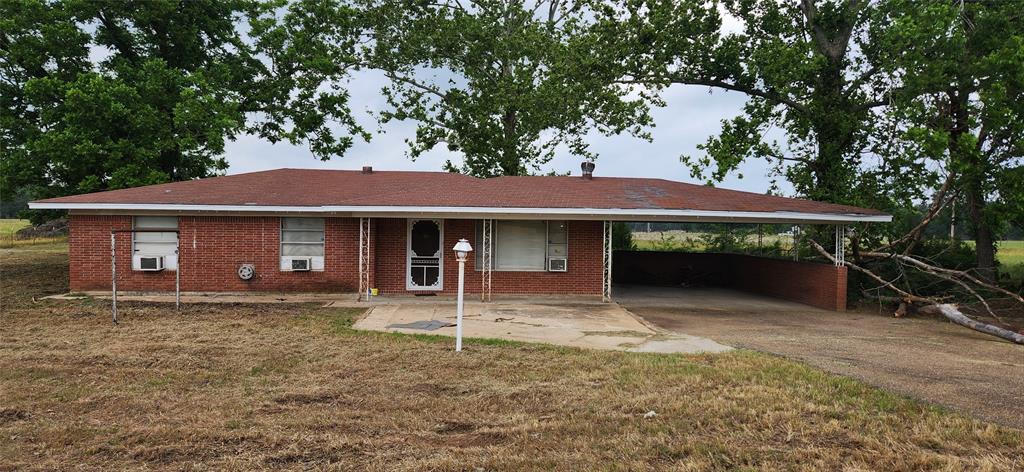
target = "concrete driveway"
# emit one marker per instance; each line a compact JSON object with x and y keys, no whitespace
{"x":926,"y":358}
{"x":594,"y":326}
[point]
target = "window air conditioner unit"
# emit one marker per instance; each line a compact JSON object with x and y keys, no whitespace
{"x":302,"y":264}
{"x":556,"y":264}
{"x":151,"y":263}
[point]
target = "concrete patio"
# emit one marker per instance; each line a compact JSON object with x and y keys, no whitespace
{"x":593,"y":326}
{"x":565,"y":321}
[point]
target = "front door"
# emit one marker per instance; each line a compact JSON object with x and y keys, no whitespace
{"x":424,"y":262}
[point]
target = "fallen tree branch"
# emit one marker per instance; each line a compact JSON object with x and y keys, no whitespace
{"x":952,"y":272}
{"x":949,"y":311}
{"x":904,"y":294}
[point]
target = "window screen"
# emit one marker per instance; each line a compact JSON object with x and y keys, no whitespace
{"x":558,"y":240}
{"x":302,"y":237}
{"x":147,"y":244}
{"x":155,"y":244}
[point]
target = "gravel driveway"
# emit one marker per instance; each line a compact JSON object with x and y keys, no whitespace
{"x":925,"y":358}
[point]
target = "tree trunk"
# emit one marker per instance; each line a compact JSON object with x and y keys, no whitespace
{"x":831,"y":111}
{"x":985,"y":249}
{"x":510,"y":163}
{"x":984,"y":242}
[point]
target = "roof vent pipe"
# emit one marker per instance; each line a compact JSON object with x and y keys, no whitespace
{"x":367,"y":169}
{"x":588,"y":170}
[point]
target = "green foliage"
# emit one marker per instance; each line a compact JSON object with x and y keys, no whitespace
{"x":807,"y":68}
{"x":622,"y":237}
{"x":879,"y":101}
{"x":504,"y":83}
{"x":962,"y":104}
{"x":104,"y":95}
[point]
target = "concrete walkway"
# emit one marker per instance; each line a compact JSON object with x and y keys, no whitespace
{"x":592,"y":326}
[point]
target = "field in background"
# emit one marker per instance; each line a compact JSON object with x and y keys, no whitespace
{"x":678,"y":239}
{"x":294,"y":387}
{"x":1010,"y":253}
{"x":8,"y":227}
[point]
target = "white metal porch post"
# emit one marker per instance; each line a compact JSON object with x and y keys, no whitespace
{"x":486,"y":258}
{"x":606,"y":272}
{"x":364,"y":258}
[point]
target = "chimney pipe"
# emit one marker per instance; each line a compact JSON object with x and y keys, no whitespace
{"x":367,"y":169}
{"x":588,"y":170}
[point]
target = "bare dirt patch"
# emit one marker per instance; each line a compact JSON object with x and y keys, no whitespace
{"x":244,"y":387}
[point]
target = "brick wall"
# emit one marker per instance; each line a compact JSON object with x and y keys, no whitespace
{"x":211,"y":250}
{"x":819,"y":285}
{"x":583,"y":276}
{"x":213,"y":247}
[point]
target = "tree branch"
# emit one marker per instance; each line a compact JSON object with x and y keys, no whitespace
{"x":938,"y":203}
{"x":884,"y":283}
{"x":765,"y":94}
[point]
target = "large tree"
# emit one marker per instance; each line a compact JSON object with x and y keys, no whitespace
{"x":504,"y":83}
{"x":961,"y":102}
{"x":98,"y":95}
{"x":809,"y":69}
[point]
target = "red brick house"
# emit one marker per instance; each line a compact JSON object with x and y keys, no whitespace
{"x":296,"y":230}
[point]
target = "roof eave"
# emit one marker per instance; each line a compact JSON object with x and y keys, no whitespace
{"x":615,"y":214}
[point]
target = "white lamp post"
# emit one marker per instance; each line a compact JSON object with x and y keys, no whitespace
{"x":462,"y":250}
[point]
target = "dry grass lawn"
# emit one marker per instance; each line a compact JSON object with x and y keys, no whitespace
{"x":251,"y":387}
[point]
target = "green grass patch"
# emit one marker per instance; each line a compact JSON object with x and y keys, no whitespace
{"x":9,"y":226}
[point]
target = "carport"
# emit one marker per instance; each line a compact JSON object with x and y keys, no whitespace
{"x":726,"y":281}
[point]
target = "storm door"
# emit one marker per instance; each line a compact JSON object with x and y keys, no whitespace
{"x":424,"y":264}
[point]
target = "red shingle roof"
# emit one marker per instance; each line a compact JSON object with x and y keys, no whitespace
{"x":315,"y":188}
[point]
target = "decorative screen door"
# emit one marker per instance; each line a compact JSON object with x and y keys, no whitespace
{"x":424,"y":261}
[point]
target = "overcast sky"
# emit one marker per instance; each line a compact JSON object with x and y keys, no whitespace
{"x":691,"y":115}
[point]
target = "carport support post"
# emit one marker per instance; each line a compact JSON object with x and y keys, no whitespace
{"x":840,"y":254}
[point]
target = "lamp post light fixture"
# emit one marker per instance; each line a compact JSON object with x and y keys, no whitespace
{"x":462,"y":250}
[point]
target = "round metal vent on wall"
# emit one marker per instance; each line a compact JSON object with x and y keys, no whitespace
{"x":246,"y":272}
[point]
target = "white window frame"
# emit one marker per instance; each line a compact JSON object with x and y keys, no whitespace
{"x":478,"y":265}
{"x":170,"y":256}
{"x":548,"y":244}
{"x":317,"y":262}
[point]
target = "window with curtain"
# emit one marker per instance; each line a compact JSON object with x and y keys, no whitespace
{"x":155,"y":244}
{"x":524,"y":245}
{"x":302,"y":237}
